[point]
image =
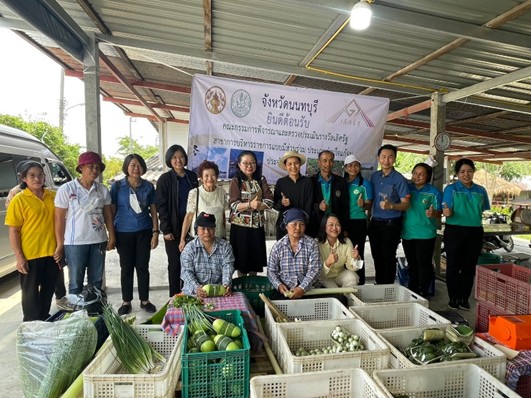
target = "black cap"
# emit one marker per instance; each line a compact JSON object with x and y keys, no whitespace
{"x":206,"y":220}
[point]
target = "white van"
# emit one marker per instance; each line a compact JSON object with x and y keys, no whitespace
{"x":15,"y":146}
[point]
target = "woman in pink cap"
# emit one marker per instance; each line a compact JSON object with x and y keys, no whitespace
{"x":82,"y":219}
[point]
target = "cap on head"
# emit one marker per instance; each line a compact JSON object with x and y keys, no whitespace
{"x":295,"y":214}
{"x":89,"y":158}
{"x":349,"y":159}
{"x":290,"y":154}
{"x":206,"y":220}
{"x":24,"y":165}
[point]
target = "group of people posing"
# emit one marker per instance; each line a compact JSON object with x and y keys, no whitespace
{"x":321,"y":230}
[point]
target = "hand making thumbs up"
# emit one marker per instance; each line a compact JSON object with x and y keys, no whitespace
{"x":430,"y":211}
{"x":355,"y":253}
{"x":285,"y":201}
{"x":385,"y":204}
{"x":447,"y":211}
{"x":360,"y":200}
{"x":323,"y":206}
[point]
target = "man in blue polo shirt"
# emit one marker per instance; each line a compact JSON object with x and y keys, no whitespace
{"x":391,"y":198}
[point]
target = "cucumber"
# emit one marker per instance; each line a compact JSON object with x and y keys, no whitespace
{"x":221,"y":326}
{"x":213,"y":290}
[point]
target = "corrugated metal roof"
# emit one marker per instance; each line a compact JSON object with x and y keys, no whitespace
{"x":412,"y":49}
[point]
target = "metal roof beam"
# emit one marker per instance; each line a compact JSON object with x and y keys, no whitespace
{"x":129,"y":86}
{"x":497,"y":135}
{"x":405,"y":112}
{"x":49,"y":18}
{"x":266,"y":65}
{"x":138,"y":83}
{"x":487,"y":85}
{"x":154,"y":104}
{"x":450,"y":27}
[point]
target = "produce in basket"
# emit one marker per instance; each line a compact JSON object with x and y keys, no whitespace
{"x":135,"y":354}
{"x":343,"y":341}
{"x":433,"y":346}
{"x":52,"y":354}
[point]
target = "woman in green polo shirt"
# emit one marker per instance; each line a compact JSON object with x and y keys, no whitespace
{"x":419,"y":229}
{"x":463,"y":205}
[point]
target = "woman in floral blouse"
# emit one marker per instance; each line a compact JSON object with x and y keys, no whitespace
{"x":249,"y":197}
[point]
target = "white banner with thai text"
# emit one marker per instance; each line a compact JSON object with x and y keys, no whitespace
{"x":228,"y":116}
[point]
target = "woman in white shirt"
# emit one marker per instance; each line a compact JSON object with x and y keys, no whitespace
{"x":212,"y":200}
{"x":340,"y":259}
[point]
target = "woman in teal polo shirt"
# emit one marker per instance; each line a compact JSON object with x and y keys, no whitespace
{"x":463,"y":205}
{"x":360,"y":196}
{"x":419,"y":229}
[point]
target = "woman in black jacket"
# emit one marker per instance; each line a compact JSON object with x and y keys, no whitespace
{"x":171,"y":197}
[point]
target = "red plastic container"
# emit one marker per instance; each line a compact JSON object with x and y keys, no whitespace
{"x":506,"y":286}
{"x":483,"y":310}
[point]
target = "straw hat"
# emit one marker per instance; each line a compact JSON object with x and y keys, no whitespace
{"x":290,"y":154}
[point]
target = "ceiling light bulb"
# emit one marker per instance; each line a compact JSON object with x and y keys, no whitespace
{"x":360,"y":16}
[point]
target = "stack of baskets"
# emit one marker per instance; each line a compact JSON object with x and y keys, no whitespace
{"x":503,"y":289}
{"x":386,"y":319}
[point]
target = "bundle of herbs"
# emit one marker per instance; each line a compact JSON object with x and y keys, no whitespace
{"x":135,"y":354}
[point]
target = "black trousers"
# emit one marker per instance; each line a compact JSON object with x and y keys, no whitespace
{"x":357,"y":233}
{"x":384,"y":237}
{"x":462,"y":246}
{"x":37,"y":288}
{"x":174,"y":266}
{"x":419,"y":254}
{"x":134,"y":249}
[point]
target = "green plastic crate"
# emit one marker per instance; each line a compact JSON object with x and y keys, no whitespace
{"x":489,"y":258}
{"x":252,"y":286}
{"x":217,"y":374}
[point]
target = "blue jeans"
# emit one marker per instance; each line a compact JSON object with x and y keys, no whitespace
{"x":85,"y":257}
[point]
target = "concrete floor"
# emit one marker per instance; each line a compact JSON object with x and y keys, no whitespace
{"x":11,"y":314}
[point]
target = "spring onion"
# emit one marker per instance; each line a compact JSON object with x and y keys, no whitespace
{"x":135,"y":354}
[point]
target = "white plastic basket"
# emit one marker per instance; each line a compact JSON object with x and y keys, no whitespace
{"x":398,"y":316}
{"x":305,"y":310}
{"x":489,"y":357}
{"x":384,"y":294}
{"x":104,"y":377}
{"x":451,"y":381}
{"x":316,"y":334}
{"x":349,"y":383}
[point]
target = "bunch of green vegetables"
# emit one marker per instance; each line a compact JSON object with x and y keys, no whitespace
{"x":433,"y":346}
{"x":208,"y":333}
{"x":135,"y":353}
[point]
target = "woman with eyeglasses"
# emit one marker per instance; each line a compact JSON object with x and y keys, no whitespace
{"x":171,"y":195}
{"x":137,"y":231}
{"x":212,"y":199}
{"x":30,"y":218}
{"x":83,"y":218}
{"x":249,"y":197}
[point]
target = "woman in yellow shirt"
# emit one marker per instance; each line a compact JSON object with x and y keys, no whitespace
{"x":30,"y":217}
{"x":340,"y":259}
